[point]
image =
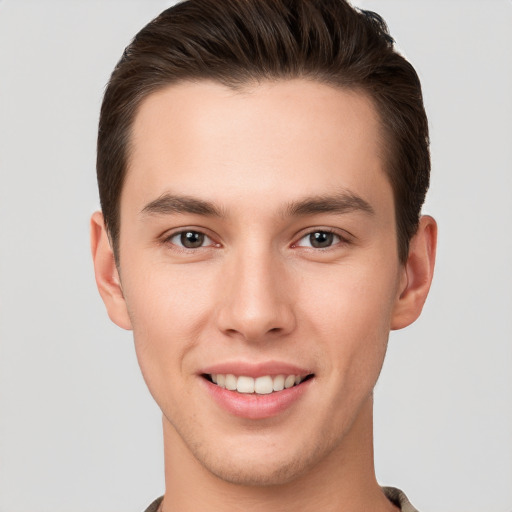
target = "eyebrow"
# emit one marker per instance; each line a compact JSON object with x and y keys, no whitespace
{"x":168,"y":204}
{"x":342,"y":202}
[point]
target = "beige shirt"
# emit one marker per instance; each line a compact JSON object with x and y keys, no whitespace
{"x":396,"y":496}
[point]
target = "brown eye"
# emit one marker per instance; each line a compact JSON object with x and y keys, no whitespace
{"x":190,"y":239}
{"x":319,"y":240}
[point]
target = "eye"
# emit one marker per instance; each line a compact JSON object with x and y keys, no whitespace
{"x":320,"y":239}
{"x":190,"y":239}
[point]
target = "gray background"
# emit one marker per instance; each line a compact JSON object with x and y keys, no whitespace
{"x":78,"y":430}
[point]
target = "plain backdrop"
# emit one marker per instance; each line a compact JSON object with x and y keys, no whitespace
{"x":78,"y":429}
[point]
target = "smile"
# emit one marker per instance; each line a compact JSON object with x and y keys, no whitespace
{"x":263,"y":385}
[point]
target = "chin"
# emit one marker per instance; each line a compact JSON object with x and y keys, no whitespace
{"x":253,"y":474}
{"x":261,"y":465}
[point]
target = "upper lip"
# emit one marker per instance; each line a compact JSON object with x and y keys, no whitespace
{"x":251,"y":369}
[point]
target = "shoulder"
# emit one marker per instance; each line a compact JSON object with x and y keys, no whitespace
{"x":398,"y":498}
{"x":155,"y":505}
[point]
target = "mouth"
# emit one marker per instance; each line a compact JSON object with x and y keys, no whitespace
{"x":263,"y":385}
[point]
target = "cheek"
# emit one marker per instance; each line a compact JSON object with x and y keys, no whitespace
{"x":164,"y":299}
{"x":168,"y":310}
{"x":351,"y":314}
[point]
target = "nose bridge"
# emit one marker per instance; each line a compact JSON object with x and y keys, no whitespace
{"x":255,"y":302}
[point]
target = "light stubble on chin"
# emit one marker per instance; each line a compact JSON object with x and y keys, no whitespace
{"x":271,"y":473}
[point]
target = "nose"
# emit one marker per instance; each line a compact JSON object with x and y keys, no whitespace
{"x":257,"y":298}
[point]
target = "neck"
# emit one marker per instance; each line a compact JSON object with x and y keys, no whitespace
{"x":344,"y":480}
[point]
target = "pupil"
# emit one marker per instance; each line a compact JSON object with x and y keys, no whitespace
{"x":321,"y":239}
{"x":192,"y":239}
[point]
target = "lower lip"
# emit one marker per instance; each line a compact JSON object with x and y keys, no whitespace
{"x":253,"y":406}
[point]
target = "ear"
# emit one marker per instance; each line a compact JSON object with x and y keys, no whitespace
{"x":106,"y":273}
{"x":417,"y":274}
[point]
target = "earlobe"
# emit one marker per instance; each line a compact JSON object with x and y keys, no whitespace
{"x":418,"y":273}
{"x":107,"y":276}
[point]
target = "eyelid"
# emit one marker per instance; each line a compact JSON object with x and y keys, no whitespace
{"x":344,"y":236}
{"x":169,"y":235}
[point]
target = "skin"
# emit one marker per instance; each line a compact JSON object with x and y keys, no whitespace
{"x":257,"y":291}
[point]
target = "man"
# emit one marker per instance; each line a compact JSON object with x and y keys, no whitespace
{"x":262,"y":166}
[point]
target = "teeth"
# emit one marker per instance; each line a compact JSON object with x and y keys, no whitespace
{"x":261,"y":385}
{"x":245,"y":385}
{"x":230,"y":382}
{"x":289,"y":381}
{"x":278,"y":383}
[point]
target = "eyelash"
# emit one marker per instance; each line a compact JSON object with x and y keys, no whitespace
{"x":168,"y":240}
{"x":342,"y":240}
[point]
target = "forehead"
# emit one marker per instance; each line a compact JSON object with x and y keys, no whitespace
{"x":277,"y":140}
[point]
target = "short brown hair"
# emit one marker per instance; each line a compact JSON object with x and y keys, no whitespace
{"x":237,"y":42}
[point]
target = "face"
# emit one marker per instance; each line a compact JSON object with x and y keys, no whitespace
{"x":258,"y":252}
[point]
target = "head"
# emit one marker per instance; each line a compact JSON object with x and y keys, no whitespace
{"x":262,"y":165}
{"x":241,"y":43}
